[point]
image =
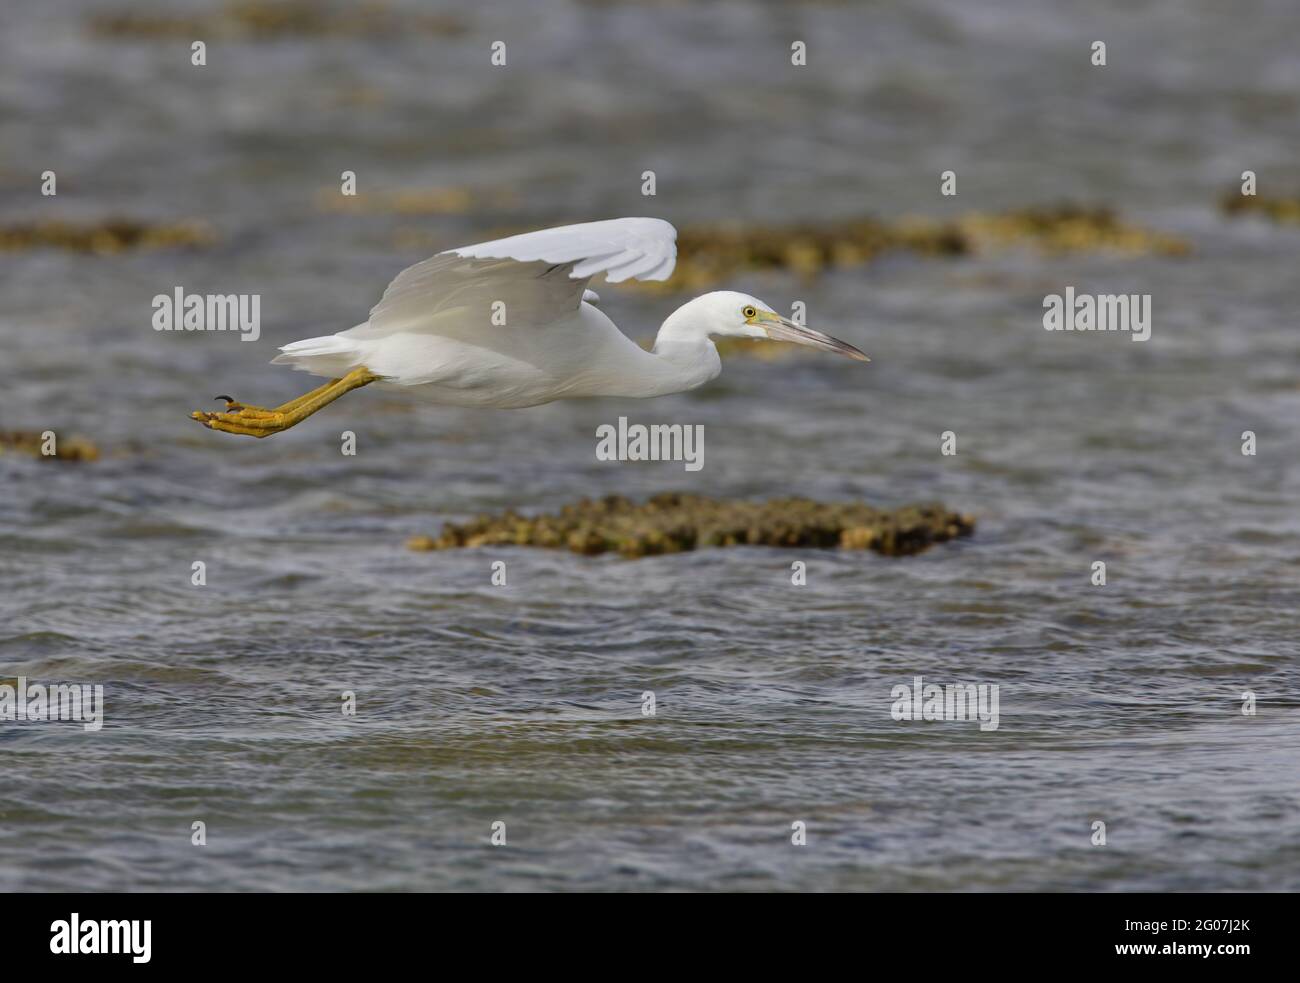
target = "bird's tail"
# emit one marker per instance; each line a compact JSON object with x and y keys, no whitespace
{"x":331,"y":355}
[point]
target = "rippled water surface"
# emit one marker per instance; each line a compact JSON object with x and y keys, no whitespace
{"x":523,"y":704}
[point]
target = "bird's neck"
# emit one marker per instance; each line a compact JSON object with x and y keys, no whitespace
{"x":684,"y":326}
{"x":686,"y":355}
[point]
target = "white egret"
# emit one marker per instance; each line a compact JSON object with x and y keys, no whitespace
{"x":511,"y":323}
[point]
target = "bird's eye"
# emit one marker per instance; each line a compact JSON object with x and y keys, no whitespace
{"x":749,"y":312}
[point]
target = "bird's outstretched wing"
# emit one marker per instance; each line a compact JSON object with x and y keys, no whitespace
{"x":621,"y":248}
{"x":537,"y":276}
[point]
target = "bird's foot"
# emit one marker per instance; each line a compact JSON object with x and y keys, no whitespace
{"x":253,"y":421}
{"x":249,"y":421}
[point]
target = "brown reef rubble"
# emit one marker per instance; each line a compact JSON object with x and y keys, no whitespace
{"x":107,"y":237}
{"x":405,"y":201}
{"x":672,"y":522}
{"x":708,"y":253}
{"x":264,"y":20}
{"x":1282,"y":209}
{"x":32,"y":443}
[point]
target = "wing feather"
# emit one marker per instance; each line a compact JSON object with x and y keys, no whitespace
{"x":594,"y":246}
{"x":539,"y":276}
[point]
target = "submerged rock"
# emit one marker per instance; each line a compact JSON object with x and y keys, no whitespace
{"x":262,"y":19}
{"x":672,"y":523}
{"x":32,"y":443}
{"x":418,"y":201}
{"x":110,"y":236}
{"x":1279,"y":209}
{"x":708,"y":253}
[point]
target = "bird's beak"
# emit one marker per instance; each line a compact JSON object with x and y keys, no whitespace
{"x":782,"y":329}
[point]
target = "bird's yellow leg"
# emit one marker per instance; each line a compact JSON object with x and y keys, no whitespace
{"x":254,"y":421}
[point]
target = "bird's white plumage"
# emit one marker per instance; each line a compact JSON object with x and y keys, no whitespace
{"x":503,"y":314}
{"x":540,"y":275}
{"x":621,"y":248}
{"x":507,"y":323}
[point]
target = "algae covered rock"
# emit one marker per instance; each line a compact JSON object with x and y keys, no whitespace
{"x":673,"y":522}
{"x":257,"y":20}
{"x":1285,"y":210}
{"x":35,"y":444}
{"x":708,"y":253}
{"x":107,"y":237}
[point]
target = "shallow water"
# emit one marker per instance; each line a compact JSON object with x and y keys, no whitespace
{"x":523,"y":704}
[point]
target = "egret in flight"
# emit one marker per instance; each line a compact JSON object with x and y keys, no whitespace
{"x":511,"y":323}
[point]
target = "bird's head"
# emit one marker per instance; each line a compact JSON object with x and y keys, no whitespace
{"x":727,"y":313}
